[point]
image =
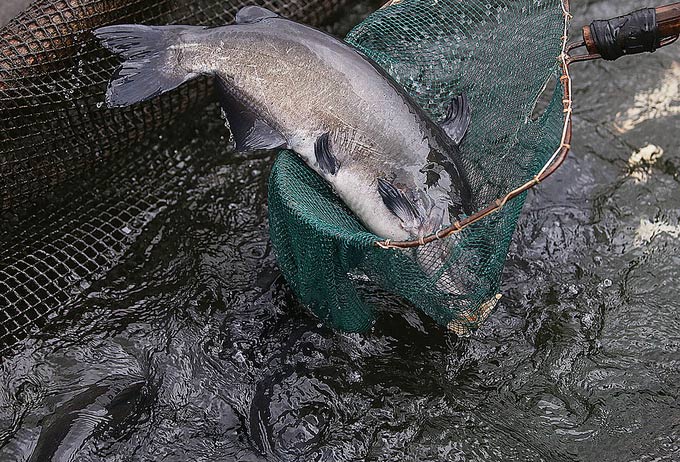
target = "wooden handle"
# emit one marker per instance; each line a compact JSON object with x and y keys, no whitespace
{"x":668,"y":18}
{"x":589,"y":40}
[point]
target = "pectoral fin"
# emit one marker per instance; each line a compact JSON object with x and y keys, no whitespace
{"x":250,"y":132}
{"x":457,"y":118}
{"x":324,"y":157}
{"x":399,"y":204}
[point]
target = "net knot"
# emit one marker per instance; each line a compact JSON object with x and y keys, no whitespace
{"x":385,"y":245}
{"x":500,"y":203}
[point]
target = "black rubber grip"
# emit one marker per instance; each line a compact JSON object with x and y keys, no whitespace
{"x":637,"y":32}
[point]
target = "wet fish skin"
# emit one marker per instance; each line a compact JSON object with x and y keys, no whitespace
{"x":284,"y":84}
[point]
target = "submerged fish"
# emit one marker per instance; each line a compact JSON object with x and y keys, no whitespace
{"x":284,"y":84}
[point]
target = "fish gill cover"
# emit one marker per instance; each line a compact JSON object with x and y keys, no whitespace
{"x":502,"y":55}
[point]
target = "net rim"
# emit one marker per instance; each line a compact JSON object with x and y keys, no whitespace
{"x":550,"y":167}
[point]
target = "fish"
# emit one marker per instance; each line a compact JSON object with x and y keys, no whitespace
{"x":53,"y":37}
{"x":282,"y":84}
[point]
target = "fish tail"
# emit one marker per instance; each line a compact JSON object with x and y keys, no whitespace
{"x":148,"y":68}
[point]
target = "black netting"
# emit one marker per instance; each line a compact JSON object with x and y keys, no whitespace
{"x":80,"y":182}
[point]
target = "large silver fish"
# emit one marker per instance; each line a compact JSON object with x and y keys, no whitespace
{"x":284,"y":84}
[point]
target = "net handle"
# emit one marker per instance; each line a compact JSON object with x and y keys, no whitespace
{"x":641,"y":31}
{"x":548,"y":169}
{"x":669,"y":20}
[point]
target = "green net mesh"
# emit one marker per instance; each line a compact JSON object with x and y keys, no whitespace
{"x":503,"y":55}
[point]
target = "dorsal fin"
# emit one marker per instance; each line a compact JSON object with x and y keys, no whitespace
{"x":251,"y":14}
{"x":457,"y":118}
{"x":249,"y":130}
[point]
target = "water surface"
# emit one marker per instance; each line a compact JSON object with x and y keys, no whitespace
{"x":191,"y":347}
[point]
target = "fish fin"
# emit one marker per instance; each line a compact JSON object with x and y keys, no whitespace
{"x":324,"y":157}
{"x":457,"y":118}
{"x":250,"y":132}
{"x":398,"y":203}
{"x":253,"y":13}
{"x":145,"y":72}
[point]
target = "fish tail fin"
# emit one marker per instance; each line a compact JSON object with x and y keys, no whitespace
{"x":147,"y":69}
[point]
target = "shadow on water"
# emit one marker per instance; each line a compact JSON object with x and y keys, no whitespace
{"x":192,"y":347}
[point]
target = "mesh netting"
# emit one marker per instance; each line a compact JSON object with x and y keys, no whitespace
{"x":99,"y":176}
{"x":502,"y":54}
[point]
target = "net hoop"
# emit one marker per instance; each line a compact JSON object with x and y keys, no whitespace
{"x":554,"y":163}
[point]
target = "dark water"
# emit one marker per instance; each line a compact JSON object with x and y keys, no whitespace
{"x":192,"y":347}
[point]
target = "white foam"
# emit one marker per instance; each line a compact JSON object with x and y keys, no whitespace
{"x":641,"y":162}
{"x":647,"y":230}
{"x":657,"y":103}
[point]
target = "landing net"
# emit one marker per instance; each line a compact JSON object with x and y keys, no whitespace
{"x":503,"y":55}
